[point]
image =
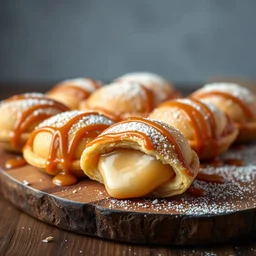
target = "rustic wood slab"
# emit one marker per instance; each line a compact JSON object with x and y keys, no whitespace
{"x":225,"y":213}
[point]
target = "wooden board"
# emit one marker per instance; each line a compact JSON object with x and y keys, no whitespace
{"x":226,"y":212}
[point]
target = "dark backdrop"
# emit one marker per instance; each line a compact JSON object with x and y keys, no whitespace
{"x":183,"y":40}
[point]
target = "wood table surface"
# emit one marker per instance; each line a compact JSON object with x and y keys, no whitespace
{"x":20,"y":234}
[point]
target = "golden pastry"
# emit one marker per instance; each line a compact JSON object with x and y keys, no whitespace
{"x":122,"y":100}
{"x":19,"y":116}
{"x":208,"y":130}
{"x":237,"y":102}
{"x":162,"y":89}
{"x":57,"y":143}
{"x":141,"y":157}
{"x":72,"y":92}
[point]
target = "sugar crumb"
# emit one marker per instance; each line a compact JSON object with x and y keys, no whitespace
{"x":25,"y":182}
{"x":47,"y":239}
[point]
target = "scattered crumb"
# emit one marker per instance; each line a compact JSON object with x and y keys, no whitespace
{"x":25,"y":182}
{"x":155,"y":201}
{"x":47,"y":239}
{"x":74,"y":191}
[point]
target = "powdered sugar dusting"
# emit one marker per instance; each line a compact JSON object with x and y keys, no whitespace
{"x":62,"y":118}
{"x":152,"y":81}
{"x":144,"y":78}
{"x":234,"y":89}
{"x":160,"y":142}
{"x":22,"y":105}
{"x":124,"y":90}
{"x":83,"y":83}
{"x":33,"y":94}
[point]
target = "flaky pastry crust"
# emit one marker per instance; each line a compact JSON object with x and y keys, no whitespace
{"x":131,"y":134}
{"x":71,"y":92}
{"x":162,"y":88}
{"x":122,"y":100}
{"x":237,"y":102}
{"x":57,"y":143}
{"x":208,"y":130}
{"x":19,"y":116}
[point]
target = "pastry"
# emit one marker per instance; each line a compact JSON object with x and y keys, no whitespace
{"x":141,"y":157}
{"x":162,"y":89}
{"x":237,"y":102}
{"x":122,"y":100}
{"x":57,"y":143}
{"x":19,"y":116}
{"x":71,"y":92}
{"x":208,"y":130}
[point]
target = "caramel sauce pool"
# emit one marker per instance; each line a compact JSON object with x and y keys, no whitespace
{"x":15,"y":162}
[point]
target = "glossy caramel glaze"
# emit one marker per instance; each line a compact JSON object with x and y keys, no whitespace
{"x":32,"y":115}
{"x":70,"y":86}
{"x":196,"y":192}
{"x":146,"y":140}
{"x":61,"y":144}
{"x":202,"y":121}
{"x":15,"y":162}
{"x":247,"y":111}
{"x":213,"y":178}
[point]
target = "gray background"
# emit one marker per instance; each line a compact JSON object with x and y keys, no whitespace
{"x":183,"y":40}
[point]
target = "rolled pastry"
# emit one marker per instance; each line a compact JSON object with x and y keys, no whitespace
{"x":162,"y":88}
{"x":57,"y":143}
{"x":141,"y":157}
{"x":237,"y":102}
{"x":208,"y":129}
{"x":20,"y":114}
{"x":121,"y":100}
{"x":71,"y":92}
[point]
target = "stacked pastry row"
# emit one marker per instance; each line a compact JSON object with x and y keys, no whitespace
{"x":132,"y":135}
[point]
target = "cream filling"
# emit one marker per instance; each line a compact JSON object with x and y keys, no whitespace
{"x":129,"y":173}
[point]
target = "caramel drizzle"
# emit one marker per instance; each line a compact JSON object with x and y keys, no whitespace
{"x":122,"y":135}
{"x":149,"y":99}
{"x":204,"y":129}
{"x":197,"y":192}
{"x":213,"y":178}
{"x":82,"y":92}
{"x":60,"y":142}
{"x":247,"y":111}
{"x":27,"y":119}
{"x":218,"y":162}
{"x":146,"y":140}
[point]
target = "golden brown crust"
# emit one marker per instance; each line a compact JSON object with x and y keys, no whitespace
{"x":208,"y":130}
{"x":70,"y":131}
{"x":185,"y":169}
{"x":162,"y":88}
{"x":237,"y":102}
{"x":20,"y":114}
{"x":122,"y":100}
{"x":71,"y":92}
